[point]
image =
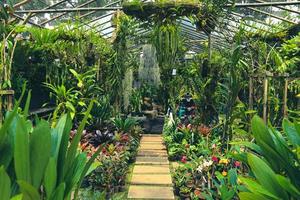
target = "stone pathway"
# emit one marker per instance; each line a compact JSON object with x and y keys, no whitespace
{"x":151,"y":177}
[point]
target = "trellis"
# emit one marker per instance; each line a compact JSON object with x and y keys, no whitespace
{"x":266,"y":76}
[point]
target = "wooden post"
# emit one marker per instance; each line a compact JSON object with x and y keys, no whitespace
{"x":251,"y":93}
{"x":265,"y":100}
{"x":286,"y":82}
{"x":6,"y":102}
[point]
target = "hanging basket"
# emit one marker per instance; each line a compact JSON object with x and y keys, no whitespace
{"x":146,"y":10}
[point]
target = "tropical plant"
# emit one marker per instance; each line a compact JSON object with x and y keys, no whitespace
{"x":274,"y":162}
{"x":136,"y":101}
{"x":7,"y":50}
{"x":124,"y":125}
{"x":39,"y":162}
{"x":102,"y":111}
{"x":291,"y":52}
{"x":65,"y":99}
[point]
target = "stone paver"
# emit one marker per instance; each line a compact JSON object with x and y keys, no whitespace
{"x":150,"y":192}
{"x":151,"y":177}
{"x":152,"y":160}
{"x":152,"y":139}
{"x":153,"y":153}
{"x":153,"y":169}
{"x":152,"y":147}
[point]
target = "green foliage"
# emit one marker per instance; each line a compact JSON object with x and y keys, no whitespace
{"x":276,"y":170}
{"x":40,"y":157}
{"x":291,"y":54}
{"x":124,"y":125}
{"x":101,"y":112}
{"x":66,"y":99}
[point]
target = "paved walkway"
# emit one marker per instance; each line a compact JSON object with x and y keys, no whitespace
{"x":151,"y":177}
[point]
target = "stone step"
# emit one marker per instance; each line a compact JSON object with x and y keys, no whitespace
{"x":151,"y":160}
{"x":151,"y":142}
{"x":152,"y":135}
{"x":151,"y":169}
{"x":150,"y":192}
{"x":152,"y":154}
{"x":151,"y":179}
{"x":152,"y":147}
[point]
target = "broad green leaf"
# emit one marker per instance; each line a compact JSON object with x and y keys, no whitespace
{"x":288,"y":186}
{"x":74,"y":144}
{"x":250,"y":145}
{"x":232,"y":176}
{"x":87,"y":168}
{"x":27,"y":105}
{"x":28,"y":191}
{"x":251,"y":196}
{"x":265,"y":176}
{"x":256,"y":188}
{"x":40,"y":150}
{"x":94,"y":166}
{"x":261,"y":132}
{"x":297,"y":127}
{"x":4,"y":184}
{"x":59,"y":192}
{"x":64,"y":146}
{"x":291,"y":132}
{"x":7,"y":123}
{"x":56,"y":136}
{"x":17,"y":197}
{"x":6,"y":152}
{"x":21,"y":152}
{"x":74,"y":173}
{"x":50,"y":177}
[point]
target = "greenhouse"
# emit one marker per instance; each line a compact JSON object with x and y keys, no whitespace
{"x":149,"y":99}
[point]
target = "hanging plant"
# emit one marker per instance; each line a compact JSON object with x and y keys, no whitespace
{"x":163,"y":9}
{"x":210,"y":11}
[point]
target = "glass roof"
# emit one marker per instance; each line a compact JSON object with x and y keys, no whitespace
{"x":255,"y":15}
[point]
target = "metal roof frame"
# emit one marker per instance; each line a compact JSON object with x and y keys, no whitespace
{"x":236,"y":16}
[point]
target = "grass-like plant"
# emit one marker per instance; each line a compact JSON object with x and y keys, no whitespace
{"x":39,"y":162}
{"x":274,"y":163}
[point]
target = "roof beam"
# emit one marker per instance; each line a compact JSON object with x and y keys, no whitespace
{"x":68,"y":10}
{"x":265,"y":4}
{"x":78,"y":9}
{"x":18,"y":5}
{"x":64,"y":13}
{"x":281,"y":7}
{"x":252,"y":19}
{"x":272,"y":15}
{"x":92,"y":12}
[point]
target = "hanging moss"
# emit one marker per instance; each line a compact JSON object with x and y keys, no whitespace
{"x":165,"y":9}
{"x":279,"y":37}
